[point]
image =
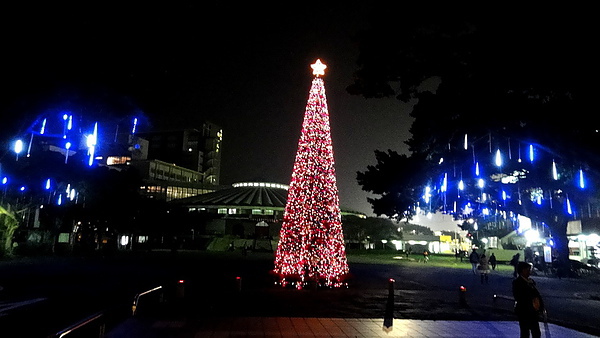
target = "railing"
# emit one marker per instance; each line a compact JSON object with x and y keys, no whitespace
{"x":496,"y":297}
{"x":504,"y":303}
{"x":83,"y":323}
{"x":87,"y":322}
{"x":136,"y":299}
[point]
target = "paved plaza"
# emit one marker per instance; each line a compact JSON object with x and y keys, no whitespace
{"x":214,"y":304}
{"x":327,"y":327}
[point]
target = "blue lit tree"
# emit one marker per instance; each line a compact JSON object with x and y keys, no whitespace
{"x":486,"y":94}
{"x":56,"y":179}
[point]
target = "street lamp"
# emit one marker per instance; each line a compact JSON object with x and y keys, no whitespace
{"x":65,"y":118}
{"x":384,"y":242}
{"x":67,"y":147}
{"x":91,"y":144}
{"x":18,"y":147}
{"x":48,"y":186}
{"x":485,"y":242}
{"x":4,"y":183}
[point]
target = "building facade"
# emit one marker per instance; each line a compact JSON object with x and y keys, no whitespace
{"x":194,"y":149}
{"x":247,"y":213}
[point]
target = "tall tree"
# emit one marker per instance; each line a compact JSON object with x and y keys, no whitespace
{"x":311,"y":245}
{"x":485,"y":89}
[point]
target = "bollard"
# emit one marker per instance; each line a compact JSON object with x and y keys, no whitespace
{"x":238,"y":283}
{"x":180,"y":290}
{"x":388,"y":319}
{"x":462,"y":296}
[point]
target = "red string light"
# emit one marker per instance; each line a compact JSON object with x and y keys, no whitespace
{"x":311,"y":246}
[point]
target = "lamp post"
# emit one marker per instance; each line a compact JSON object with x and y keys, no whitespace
{"x":48,"y":187}
{"x":67,"y":147}
{"x":18,"y":148}
{"x":4,"y":184}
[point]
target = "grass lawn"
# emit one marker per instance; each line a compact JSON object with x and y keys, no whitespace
{"x":392,"y":257}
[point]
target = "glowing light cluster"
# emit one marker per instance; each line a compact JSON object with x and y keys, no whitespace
{"x":260,"y":184}
{"x":499,"y":180}
{"x":91,"y":142}
{"x":311,"y":246}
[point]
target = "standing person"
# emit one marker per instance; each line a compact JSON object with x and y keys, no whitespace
{"x":474,"y":260}
{"x":528,"y":302}
{"x":484,"y":268}
{"x":493,"y":261}
{"x":425,"y":255}
{"x":514,"y":262}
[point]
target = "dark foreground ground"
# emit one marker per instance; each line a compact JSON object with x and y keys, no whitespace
{"x":43,"y":296}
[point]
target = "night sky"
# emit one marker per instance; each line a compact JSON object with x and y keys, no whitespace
{"x":246,"y":68}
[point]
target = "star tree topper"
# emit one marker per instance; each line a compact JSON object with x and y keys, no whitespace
{"x":318,"y":68}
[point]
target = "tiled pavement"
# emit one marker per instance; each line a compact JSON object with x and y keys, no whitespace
{"x":331,"y":327}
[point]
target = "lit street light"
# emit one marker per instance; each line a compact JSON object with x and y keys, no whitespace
{"x":18,"y":148}
{"x":4,"y":183}
{"x":67,"y":147}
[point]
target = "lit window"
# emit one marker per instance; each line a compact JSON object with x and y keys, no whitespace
{"x":64,"y":237}
{"x":256,"y":212}
{"x":222,"y":211}
{"x":112,"y":160}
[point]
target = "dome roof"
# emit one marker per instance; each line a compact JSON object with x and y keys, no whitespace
{"x":246,"y":194}
{"x":254,"y":194}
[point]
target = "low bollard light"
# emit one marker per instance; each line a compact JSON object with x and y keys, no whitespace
{"x":238,"y":283}
{"x":180,"y":290}
{"x":462,"y":296}
{"x":388,"y":318}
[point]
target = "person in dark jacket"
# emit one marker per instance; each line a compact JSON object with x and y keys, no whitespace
{"x":515,"y":262}
{"x":493,"y":261}
{"x":474,"y":260}
{"x":528,"y":302}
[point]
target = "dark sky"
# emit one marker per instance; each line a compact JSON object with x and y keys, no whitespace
{"x":246,"y":68}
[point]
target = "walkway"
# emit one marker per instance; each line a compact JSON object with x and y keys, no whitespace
{"x":327,"y":327}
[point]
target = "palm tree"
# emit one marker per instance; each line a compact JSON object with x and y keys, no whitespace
{"x":8,"y":225}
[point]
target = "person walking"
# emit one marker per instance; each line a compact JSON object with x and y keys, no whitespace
{"x":493,"y":261}
{"x":528,"y":302}
{"x":514,"y":262}
{"x":474,"y":260}
{"x":484,"y":268}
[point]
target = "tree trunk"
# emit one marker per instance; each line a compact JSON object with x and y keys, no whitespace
{"x":558,"y":227}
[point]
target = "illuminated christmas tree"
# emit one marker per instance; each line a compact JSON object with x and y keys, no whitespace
{"x":311,"y":245}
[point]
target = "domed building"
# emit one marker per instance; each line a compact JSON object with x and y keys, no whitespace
{"x":249,"y":214}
